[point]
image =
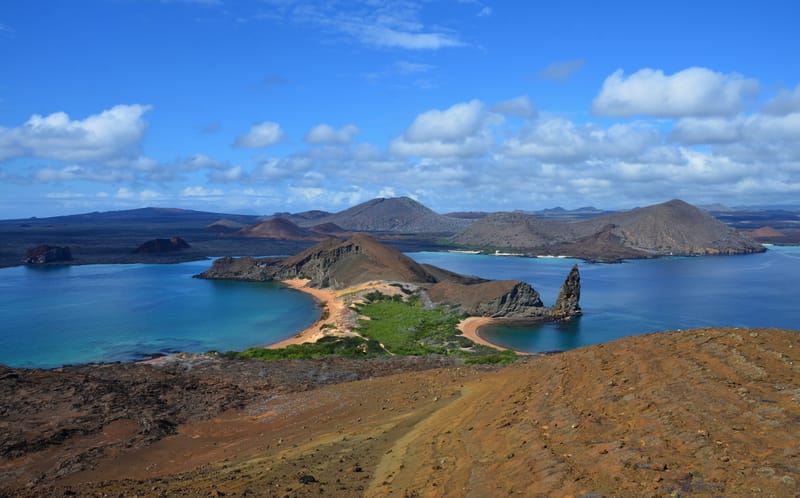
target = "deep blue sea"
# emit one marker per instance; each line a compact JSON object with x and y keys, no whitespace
{"x":636,"y":297}
{"x":56,"y":315}
{"x":99,"y":313}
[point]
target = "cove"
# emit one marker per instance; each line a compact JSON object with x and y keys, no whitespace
{"x":56,"y":315}
{"x":643,"y":296}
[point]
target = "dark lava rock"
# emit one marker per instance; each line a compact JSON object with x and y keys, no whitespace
{"x":47,"y":254}
{"x":162,"y":245}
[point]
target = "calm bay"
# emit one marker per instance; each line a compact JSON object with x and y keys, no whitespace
{"x":60,"y":315}
{"x":642,"y":296}
{"x":56,"y":315}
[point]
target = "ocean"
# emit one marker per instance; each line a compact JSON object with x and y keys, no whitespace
{"x":60,"y":315}
{"x":643,"y":296}
{"x":56,"y":315}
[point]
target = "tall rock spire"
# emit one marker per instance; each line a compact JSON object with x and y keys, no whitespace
{"x":567,"y":303}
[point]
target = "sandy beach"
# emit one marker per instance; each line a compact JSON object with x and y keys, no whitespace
{"x":328,"y":301}
{"x":337,"y":315}
{"x":470,"y":327}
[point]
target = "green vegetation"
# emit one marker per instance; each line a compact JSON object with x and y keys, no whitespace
{"x":392,"y":326}
{"x":348,"y":347}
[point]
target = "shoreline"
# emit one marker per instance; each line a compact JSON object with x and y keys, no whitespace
{"x":328,"y":302}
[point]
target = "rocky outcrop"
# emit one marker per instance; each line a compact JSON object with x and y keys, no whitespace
{"x":157,"y":246}
{"x":496,"y":298}
{"x":338,"y":264}
{"x":47,"y":254}
{"x":568,"y":301}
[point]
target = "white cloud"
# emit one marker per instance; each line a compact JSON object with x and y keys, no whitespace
{"x":559,"y":140}
{"x":281,"y":168}
{"x":125,"y":193}
{"x":261,"y":135}
{"x":695,"y":91}
{"x":707,"y":130}
{"x":76,"y":172}
{"x":324,"y":134}
{"x":786,"y":102}
{"x":561,"y":70}
{"x":200,"y":191}
{"x":114,"y":133}
{"x":395,"y":25}
{"x":518,"y":106}
{"x":453,"y":124}
{"x":233,"y":174}
{"x":485,"y":12}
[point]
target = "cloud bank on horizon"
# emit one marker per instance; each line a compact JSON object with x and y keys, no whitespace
{"x":292,"y":105}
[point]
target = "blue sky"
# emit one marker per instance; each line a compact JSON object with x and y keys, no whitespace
{"x":284,"y":105}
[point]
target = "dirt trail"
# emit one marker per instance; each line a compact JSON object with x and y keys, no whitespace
{"x":694,"y":413}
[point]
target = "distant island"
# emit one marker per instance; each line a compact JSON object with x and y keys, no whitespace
{"x":673,"y":228}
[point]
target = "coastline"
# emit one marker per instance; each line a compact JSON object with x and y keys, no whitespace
{"x":335,"y":316}
{"x":331,"y":306}
{"x":471,"y":329}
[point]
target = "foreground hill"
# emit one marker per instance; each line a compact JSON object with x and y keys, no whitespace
{"x":710,"y":412}
{"x":671,"y":228}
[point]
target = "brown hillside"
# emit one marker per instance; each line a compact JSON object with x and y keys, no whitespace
{"x":766,"y":232}
{"x":360,"y":259}
{"x":279,"y":229}
{"x":673,"y":227}
{"x":677,"y":227}
{"x":396,"y":215}
{"x":710,"y":412}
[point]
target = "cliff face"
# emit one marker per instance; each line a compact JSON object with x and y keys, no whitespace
{"x":338,"y":264}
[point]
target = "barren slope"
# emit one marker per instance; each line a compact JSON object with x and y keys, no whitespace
{"x":694,"y":413}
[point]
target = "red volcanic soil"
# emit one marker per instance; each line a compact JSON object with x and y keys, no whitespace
{"x":708,"y":412}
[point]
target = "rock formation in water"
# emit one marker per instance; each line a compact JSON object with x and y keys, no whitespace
{"x":339,"y":264}
{"x":156,"y":246}
{"x":568,"y":301}
{"x":47,"y":254}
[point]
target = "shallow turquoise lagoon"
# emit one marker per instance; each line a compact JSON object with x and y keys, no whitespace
{"x":53,"y":316}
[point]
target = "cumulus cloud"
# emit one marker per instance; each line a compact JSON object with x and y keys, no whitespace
{"x":518,"y":106}
{"x":325,"y":134}
{"x":261,"y":135}
{"x":786,"y":102}
{"x":112,"y":134}
{"x":560,"y":140}
{"x":127,"y":194}
{"x":200,"y":191}
{"x":695,"y":91}
{"x":693,"y":131}
{"x":461,"y":130}
{"x":561,"y":70}
{"x":76,"y":172}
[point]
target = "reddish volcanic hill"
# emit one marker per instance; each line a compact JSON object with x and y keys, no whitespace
{"x":278,"y":228}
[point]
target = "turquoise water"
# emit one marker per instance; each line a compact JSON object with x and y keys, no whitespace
{"x":77,"y":314}
{"x":637,"y":297}
{"x":100,"y":313}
